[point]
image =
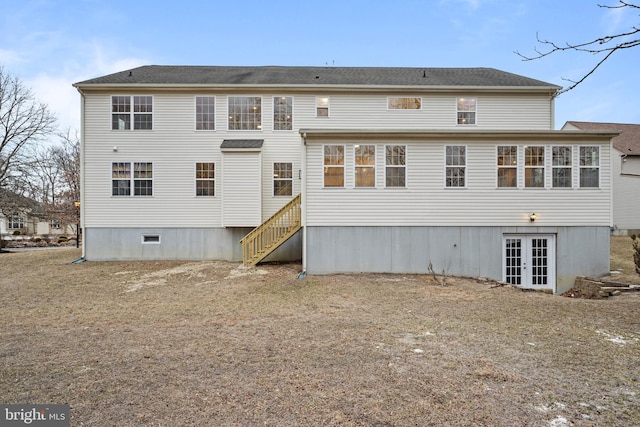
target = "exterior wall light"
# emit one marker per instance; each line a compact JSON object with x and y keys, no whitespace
{"x":532,"y":217}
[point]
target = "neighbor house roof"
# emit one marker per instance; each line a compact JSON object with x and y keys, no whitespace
{"x":628,"y":142}
{"x":169,"y":75}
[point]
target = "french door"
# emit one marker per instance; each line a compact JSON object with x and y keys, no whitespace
{"x":529,"y":260}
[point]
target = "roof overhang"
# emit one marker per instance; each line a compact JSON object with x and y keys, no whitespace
{"x":251,"y":145}
{"x":474,"y":134}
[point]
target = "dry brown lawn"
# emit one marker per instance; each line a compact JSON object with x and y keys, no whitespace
{"x":212,"y":344}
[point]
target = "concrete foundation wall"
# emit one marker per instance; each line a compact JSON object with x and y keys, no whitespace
{"x":106,"y":244}
{"x":461,"y":251}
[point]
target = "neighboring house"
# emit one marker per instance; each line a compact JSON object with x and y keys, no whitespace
{"x":21,"y":215}
{"x":625,"y":172}
{"x":381,"y":169}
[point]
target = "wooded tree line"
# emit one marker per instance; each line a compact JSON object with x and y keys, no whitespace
{"x":38,"y":162}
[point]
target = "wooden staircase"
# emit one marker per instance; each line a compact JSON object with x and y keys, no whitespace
{"x":272,"y":233}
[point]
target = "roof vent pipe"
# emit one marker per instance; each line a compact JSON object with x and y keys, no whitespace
{"x":424,"y":73}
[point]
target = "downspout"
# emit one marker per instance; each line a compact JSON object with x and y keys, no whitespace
{"x":303,"y":204}
{"x":82,"y":140}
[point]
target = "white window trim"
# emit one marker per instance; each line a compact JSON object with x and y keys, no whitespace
{"x":328,"y":106}
{"x":405,"y":97}
{"x":406,"y":164}
{"x":552,"y":167}
{"x":195,"y":113}
{"x":475,"y":123}
{"x":516,"y":167}
{"x":131,"y":113}
{"x":132,"y":180}
{"x":273,"y":118}
{"x":261,"y":128}
{"x":466,"y":163}
{"x":344,"y":166}
{"x":374,"y":166}
{"x":580,"y":167}
{"x":545,"y":167}
{"x":195,"y":180}
{"x":273,"y":179}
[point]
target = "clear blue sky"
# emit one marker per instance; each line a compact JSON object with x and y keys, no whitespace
{"x":50,"y":44}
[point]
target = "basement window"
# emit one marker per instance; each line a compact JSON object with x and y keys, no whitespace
{"x":151,"y":238}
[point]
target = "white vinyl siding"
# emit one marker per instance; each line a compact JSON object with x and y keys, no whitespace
{"x":242,"y":194}
{"x":427,"y":202}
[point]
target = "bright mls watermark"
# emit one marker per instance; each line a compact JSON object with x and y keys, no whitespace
{"x":34,"y":415}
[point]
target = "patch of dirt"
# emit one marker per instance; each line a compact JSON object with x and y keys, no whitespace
{"x":210,"y":343}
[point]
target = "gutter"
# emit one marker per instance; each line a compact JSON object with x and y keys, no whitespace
{"x":82,"y":168}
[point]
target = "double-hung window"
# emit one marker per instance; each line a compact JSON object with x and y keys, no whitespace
{"x":365,"y":165}
{"x":322,"y":106}
{"x":205,"y":179}
{"x":534,"y":167}
{"x":561,"y":166}
{"x":123,"y":180}
{"x":466,"y":111}
{"x":282,"y":179}
{"x":245,"y":113}
{"x":205,"y":113}
{"x":395,"y":165}
{"x":333,"y":165}
{"x":507,"y":166}
{"x":455,"y":165}
{"x":589,"y":167}
{"x":127,"y":110}
{"x":283,"y":113}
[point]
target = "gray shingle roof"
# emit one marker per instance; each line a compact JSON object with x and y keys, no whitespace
{"x":241,"y":143}
{"x":302,"y":76}
{"x":628,"y":142}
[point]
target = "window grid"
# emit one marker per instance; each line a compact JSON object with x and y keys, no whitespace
{"x":456,"y":161}
{"x":245,"y":113}
{"x":205,"y":179}
{"x":395,"y":165}
{"x":466,"y":111}
{"x":205,"y":112}
{"x":507,"y":166}
{"x":534,"y":167}
{"x":122,"y":115}
{"x":365,"y":165}
{"x":283,"y":113}
{"x":513,"y":261}
{"x":282,"y":179}
{"x":121,"y":179}
{"x":589,"y":167}
{"x":561,"y":166}
{"x":15,"y":221}
{"x":333,"y":165}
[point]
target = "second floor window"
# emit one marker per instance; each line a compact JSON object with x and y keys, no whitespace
{"x":245,"y":113}
{"x":205,"y":112}
{"x":283,"y":113}
{"x":322,"y":106}
{"x":561,"y":166}
{"x":131,"y":112}
{"x":404,"y":103}
{"x":466,"y":111}
{"x":122,"y":180}
{"x":456,"y":165}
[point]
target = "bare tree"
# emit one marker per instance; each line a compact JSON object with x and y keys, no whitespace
{"x":66,"y":158}
{"x":23,"y":121}
{"x":602,"y":47}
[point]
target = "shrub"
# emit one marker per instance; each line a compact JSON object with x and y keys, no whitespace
{"x":16,"y":232}
{"x":63,"y":239}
